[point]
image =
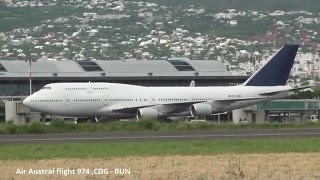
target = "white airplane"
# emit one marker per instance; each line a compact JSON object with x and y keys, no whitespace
{"x":129,"y":101}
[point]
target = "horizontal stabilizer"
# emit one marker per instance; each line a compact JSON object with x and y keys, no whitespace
{"x":291,"y":90}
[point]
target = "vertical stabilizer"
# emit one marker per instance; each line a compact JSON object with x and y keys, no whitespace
{"x":276,"y":71}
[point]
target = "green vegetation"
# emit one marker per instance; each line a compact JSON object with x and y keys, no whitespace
{"x":156,"y":148}
{"x":121,"y":38}
{"x":59,"y":126}
{"x":12,"y":18}
{"x":216,"y":5}
{"x":308,"y":94}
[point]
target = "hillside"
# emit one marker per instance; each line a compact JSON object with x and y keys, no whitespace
{"x":240,"y":33}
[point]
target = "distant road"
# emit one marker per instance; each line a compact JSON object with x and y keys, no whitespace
{"x":151,"y":136}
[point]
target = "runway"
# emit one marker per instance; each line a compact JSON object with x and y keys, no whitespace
{"x":152,"y":136}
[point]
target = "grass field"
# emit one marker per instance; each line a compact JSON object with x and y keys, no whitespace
{"x":158,"y":148}
{"x":287,"y":158}
{"x":59,"y":126}
{"x":221,"y":166}
{"x":267,"y":158}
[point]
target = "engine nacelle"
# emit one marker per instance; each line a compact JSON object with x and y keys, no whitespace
{"x":147,"y":114}
{"x":201,"y":109}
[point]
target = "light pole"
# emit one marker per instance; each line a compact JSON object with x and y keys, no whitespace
{"x":30,"y":74}
{"x":30,"y":77}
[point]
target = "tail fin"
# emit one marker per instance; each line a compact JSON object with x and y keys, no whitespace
{"x":276,"y":71}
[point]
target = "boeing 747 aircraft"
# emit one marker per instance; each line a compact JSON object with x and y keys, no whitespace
{"x":129,"y":101}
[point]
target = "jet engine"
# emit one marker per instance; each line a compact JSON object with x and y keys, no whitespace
{"x":147,"y":113}
{"x":200,"y":109}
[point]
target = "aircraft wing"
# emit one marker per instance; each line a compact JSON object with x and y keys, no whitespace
{"x":219,"y":104}
{"x":175,"y":107}
{"x":133,"y":109}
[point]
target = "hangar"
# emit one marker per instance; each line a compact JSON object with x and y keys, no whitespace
{"x":14,"y":74}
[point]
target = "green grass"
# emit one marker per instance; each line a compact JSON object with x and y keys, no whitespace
{"x":158,"y":148}
{"x":59,"y":126}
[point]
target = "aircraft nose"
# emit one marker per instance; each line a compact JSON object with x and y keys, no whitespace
{"x":27,"y":101}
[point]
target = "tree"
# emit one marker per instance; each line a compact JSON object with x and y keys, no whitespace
{"x":308,"y":94}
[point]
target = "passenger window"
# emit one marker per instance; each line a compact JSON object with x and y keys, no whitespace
{"x":46,"y":87}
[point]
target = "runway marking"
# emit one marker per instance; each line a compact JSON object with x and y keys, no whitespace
{"x":158,"y":137}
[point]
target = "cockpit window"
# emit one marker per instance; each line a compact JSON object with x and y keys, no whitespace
{"x":46,"y":87}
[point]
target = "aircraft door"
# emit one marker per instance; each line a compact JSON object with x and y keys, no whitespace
{"x":89,"y":89}
{"x":105,"y":101}
{"x":104,"y":109}
{"x":67,"y":101}
{"x":152,"y":100}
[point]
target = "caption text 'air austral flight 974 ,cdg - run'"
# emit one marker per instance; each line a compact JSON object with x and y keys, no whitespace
{"x":129,"y":101}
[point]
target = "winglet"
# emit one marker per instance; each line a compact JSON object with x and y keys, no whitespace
{"x":276,"y":71}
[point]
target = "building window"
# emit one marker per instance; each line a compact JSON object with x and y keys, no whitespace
{"x":181,"y":65}
{"x":89,"y":66}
